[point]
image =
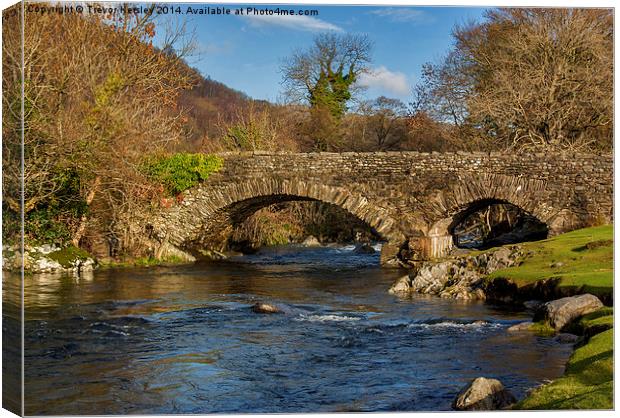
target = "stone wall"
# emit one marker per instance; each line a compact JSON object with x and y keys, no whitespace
{"x":407,"y":197}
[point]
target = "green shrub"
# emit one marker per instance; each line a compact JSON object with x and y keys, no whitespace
{"x":182,"y":171}
{"x":43,"y":225}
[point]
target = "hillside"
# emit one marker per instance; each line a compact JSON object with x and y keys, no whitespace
{"x":208,"y":104}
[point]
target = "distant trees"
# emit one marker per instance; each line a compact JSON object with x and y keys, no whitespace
{"x":385,"y":126}
{"x":533,"y":78}
{"x":324,"y":76}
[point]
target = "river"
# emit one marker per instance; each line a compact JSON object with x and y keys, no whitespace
{"x":184,"y":339}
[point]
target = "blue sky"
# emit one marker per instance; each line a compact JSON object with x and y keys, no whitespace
{"x":245,"y":52}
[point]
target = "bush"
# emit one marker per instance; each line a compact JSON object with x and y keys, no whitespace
{"x":182,"y":171}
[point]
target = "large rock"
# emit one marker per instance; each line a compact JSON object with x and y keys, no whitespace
{"x":265,"y":308}
{"x":522,"y":326}
{"x":431,"y":278}
{"x":311,"y":241}
{"x":561,"y":312}
{"x":37,"y":260}
{"x":483,"y":394}
{"x":458,"y":277}
{"x":502,"y":258}
{"x":402,"y":285}
{"x":45,"y":265}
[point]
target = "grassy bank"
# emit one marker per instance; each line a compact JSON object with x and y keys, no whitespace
{"x":588,"y":379}
{"x":582,"y":260}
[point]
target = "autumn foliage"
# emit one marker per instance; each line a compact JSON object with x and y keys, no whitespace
{"x":98,"y":98}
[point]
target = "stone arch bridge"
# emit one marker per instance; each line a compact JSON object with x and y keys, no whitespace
{"x":410,"y":199}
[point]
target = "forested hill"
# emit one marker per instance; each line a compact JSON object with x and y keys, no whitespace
{"x":208,"y":103}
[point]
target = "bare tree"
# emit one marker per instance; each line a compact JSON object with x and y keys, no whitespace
{"x":444,"y":90}
{"x":325,"y":76}
{"x":528,"y":78}
{"x":385,"y":126}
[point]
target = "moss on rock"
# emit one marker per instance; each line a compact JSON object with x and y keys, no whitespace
{"x":67,"y":257}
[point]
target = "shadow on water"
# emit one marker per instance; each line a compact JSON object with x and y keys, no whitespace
{"x":185,"y":340}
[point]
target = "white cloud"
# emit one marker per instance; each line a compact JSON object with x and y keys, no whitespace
{"x":392,"y":81}
{"x":304,"y":23}
{"x":402,"y":14}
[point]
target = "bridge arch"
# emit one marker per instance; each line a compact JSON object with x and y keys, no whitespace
{"x":505,"y":223}
{"x":472,"y":193}
{"x":208,"y":210}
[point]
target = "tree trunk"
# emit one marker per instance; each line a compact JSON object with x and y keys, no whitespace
{"x":82,"y":227}
{"x":160,"y":249}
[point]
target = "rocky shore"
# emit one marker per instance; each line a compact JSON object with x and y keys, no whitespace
{"x":47,"y":258}
{"x":460,"y":277}
{"x":566,"y":283}
{"x":465,"y":277}
{"x":563,"y":317}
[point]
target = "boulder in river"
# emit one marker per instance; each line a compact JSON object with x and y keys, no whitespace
{"x":521,"y":326}
{"x":265,"y":308}
{"x":363,"y":249}
{"x":561,"y":312}
{"x":402,"y":285}
{"x":483,"y":394}
{"x":311,"y":241}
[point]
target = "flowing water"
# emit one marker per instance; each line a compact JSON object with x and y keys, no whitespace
{"x":184,"y":339}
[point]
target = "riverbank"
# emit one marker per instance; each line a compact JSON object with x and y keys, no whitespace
{"x":587,"y":382}
{"x":577,"y":262}
{"x":574,"y":263}
{"x":527,"y":275}
{"x":47,"y":258}
{"x":50,"y":259}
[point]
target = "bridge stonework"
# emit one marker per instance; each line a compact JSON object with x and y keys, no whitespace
{"x":411,"y":199}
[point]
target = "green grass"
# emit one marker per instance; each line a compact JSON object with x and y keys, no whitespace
{"x":595,"y":322}
{"x":587,"y":382}
{"x":542,"y":328}
{"x":581,"y":259}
